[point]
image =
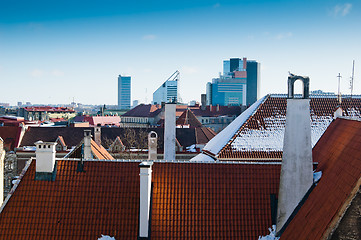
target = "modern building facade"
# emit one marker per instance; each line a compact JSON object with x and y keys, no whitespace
{"x":124,"y":92}
{"x":238,"y":85}
{"x":168,"y":91}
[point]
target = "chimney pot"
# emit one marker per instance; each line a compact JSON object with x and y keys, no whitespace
{"x":45,"y":156}
{"x":98,"y":135}
{"x":152,"y":145}
{"x":169,"y":131}
{"x":87,"y":145}
{"x":297,"y":169}
{"x":144,"y":198}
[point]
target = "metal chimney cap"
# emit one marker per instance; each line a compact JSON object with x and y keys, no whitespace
{"x":145,"y":164}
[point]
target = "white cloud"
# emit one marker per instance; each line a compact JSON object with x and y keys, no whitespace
{"x":217,"y":5}
{"x":57,"y":73}
{"x":281,"y":36}
{"x":342,"y":9}
{"x":149,"y":37}
{"x":188,"y":70}
{"x":37,"y":73}
{"x":147,"y":70}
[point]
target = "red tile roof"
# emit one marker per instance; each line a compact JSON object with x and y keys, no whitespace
{"x":144,"y":110}
{"x":220,"y":201}
{"x":189,"y":201}
{"x":104,"y":199}
{"x":261,"y":136}
{"x":48,"y":109}
{"x":188,"y":118}
{"x":11,"y":136}
{"x":338,"y":154}
{"x":98,"y":151}
{"x":99,"y":120}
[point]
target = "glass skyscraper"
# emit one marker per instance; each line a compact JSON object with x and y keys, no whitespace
{"x":168,"y":91}
{"x":124,"y":92}
{"x":239,"y":84}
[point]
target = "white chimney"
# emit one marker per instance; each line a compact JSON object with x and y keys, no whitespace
{"x":2,"y":157}
{"x":152,"y":145}
{"x":169,"y":132}
{"x":144,"y":200}
{"x":87,"y":150}
{"x":45,"y":157}
{"x":98,"y":135}
{"x":297,"y":170}
{"x":337,"y":113}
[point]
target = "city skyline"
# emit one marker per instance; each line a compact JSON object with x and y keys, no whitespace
{"x":52,"y":53}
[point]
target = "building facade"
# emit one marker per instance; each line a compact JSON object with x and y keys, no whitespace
{"x":238,"y":85}
{"x":124,"y":92}
{"x":168,"y":91}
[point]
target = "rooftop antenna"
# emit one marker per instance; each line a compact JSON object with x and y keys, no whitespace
{"x":339,"y":85}
{"x":146,"y":99}
{"x":352,"y":76}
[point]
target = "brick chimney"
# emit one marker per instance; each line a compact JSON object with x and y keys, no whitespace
{"x":144,"y":200}
{"x":297,"y":170}
{"x":98,"y":135}
{"x":87,"y":151}
{"x":152,"y":145}
{"x":45,"y":161}
{"x":169,"y":132}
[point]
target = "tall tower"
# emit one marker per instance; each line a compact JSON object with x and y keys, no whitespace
{"x":239,"y":84}
{"x":124,"y":92}
{"x":168,"y":91}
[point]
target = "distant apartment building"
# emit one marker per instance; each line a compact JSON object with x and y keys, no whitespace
{"x":238,"y":85}
{"x":124,"y":92}
{"x":45,"y":113}
{"x":168,"y":91}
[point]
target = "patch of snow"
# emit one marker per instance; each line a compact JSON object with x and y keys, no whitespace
{"x":191,"y":148}
{"x":317,"y":176}
{"x":29,"y":148}
{"x":16,"y":180}
{"x":271,"y":235}
{"x":202,"y":158}
{"x":270,"y":137}
{"x":222,"y":138}
{"x":106,"y":237}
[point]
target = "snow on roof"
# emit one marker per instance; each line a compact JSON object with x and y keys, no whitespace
{"x":106,"y":237}
{"x":270,"y":137}
{"x":222,"y":138}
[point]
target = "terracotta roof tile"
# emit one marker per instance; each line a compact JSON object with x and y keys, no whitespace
{"x":188,"y":118}
{"x":101,"y":200}
{"x":337,"y":153}
{"x":144,"y":110}
{"x":198,"y":201}
{"x":190,"y":201}
{"x":10,"y":136}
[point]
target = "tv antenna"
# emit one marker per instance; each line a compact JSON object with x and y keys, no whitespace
{"x":339,"y":85}
{"x":352,"y":76}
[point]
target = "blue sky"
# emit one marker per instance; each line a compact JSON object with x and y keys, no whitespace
{"x":54,"y":51}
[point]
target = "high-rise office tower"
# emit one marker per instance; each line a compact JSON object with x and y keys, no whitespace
{"x":168,"y":91}
{"x":238,"y":85}
{"x":124,"y":92}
